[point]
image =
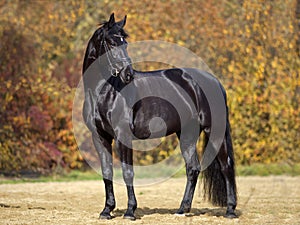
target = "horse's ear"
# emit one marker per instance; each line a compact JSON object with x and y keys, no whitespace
{"x":123,"y":22}
{"x":111,"y":21}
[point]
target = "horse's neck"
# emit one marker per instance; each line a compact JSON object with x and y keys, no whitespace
{"x":90,"y":56}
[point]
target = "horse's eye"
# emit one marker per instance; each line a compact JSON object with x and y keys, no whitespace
{"x":120,"y":37}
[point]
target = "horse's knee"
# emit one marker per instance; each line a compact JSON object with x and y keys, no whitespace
{"x":128,"y":175}
{"x":107,"y":174}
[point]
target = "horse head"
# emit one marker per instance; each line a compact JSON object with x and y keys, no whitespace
{"x":109,"y":43}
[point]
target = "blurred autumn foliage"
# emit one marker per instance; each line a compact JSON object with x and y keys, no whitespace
{"x":252,"y":46}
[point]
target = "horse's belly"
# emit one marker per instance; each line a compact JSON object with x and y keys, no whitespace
{"x":154,"y":118}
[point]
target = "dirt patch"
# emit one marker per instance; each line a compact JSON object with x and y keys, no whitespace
{"x":262,"y":200}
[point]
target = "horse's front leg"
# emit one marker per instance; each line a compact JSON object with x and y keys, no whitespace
{"x":104,"y":150}
{"x":128,"y":174}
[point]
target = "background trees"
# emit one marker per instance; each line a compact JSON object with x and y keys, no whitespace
{"x":252,"y":46}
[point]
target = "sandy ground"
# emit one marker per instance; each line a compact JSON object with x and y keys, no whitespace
{"x":262,"y":200}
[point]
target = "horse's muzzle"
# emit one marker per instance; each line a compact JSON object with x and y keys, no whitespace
{"x":127,"y":74}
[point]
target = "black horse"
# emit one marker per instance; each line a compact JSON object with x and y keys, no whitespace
{"x":121,"y":103}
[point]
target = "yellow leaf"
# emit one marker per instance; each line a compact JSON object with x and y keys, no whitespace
{"x":230,"y":68}
{"x":8,"y":84}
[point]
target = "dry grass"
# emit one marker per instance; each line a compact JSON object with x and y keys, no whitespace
{"x":262,"y":200}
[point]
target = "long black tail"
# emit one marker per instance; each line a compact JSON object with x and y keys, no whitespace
{"x":215,"y":189}
{"x":214,"y":184}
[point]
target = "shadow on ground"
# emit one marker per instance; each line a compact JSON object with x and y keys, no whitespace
{"x":140,"y":212}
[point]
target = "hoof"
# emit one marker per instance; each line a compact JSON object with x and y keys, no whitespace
{"x":182,"y":211}
{"x":105,"y":216}
{"x":129,"y":217}
{"x":230,"y":215}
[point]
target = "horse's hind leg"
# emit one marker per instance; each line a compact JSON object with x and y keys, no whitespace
{"x":226,"y":160}
{"x":128,"y":174}
{"x":103,"y":146}
{"x":189,"y":152}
